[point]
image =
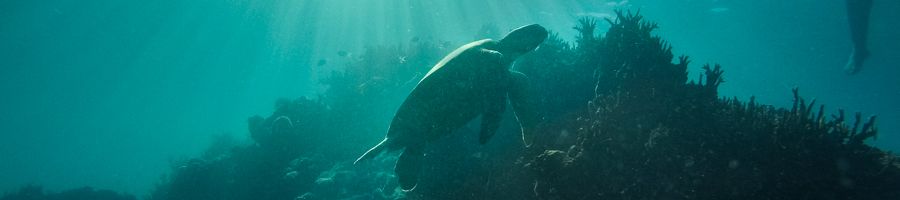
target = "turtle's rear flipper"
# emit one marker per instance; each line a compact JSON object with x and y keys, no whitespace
{"x":523,"y":106}
{"x":408,"y":166}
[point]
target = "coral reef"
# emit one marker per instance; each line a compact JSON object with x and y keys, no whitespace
{"x":291,"y":158}
{"x":650,"y":134}
{"x":303,"y":149}
{"x":33,"y":192}
{"x":622,"y":121}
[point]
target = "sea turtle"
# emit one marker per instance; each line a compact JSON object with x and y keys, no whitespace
{"x":473,"y":80}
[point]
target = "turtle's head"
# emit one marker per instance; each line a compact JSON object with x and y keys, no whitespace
{"x":522,"y":40}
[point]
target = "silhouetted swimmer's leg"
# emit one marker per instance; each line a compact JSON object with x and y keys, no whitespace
{"x":858,"y":18}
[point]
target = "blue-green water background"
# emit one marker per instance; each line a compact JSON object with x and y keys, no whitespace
{"x":106,"y":92}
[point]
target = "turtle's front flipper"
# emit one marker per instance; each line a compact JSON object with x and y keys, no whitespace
{"x":523,"y":106}
{"x":490,"y":119}
{"x":408,"y":166}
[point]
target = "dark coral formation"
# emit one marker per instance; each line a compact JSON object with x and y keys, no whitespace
{"x":33,"y":192}
{"x":290,"y":158}
{"x":649,"y":134}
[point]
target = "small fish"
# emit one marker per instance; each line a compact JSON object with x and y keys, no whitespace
{"x":415,"y":39}
{"x":600,"y":15}
{"x":719,"y":9}
{"x":322,"y":62}
{"x":291,"y":175}
{"x":617,"y":3}
{"x":342,"y":53}
{"x":477,"y":155}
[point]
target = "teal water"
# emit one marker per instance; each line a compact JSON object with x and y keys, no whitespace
{"x":108,"y":93}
